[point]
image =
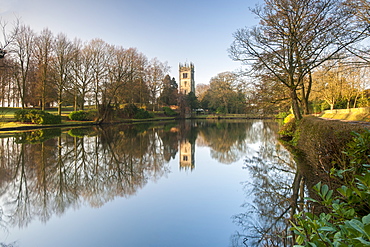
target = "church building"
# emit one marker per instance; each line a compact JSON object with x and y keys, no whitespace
{"x":186,"y":78}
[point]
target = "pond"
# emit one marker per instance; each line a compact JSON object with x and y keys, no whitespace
{"x":189,"y":183}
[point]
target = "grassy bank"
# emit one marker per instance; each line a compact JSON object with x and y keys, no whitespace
{"x":354,"y":114}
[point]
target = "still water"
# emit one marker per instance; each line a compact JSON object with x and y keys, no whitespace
{"x":193,"y":183}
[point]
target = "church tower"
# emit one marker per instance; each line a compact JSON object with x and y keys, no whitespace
{"x":186,"y":78}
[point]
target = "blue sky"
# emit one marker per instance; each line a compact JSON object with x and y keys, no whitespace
{"x":176,"y":31}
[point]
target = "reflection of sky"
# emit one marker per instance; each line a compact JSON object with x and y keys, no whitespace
{"x":184,"y":209}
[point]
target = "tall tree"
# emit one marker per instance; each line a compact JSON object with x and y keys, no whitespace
{"x":97,"y":49}
{"x":136,"y":90}
{"x":155,"y":74}
{"x":224,"y":95}
{"x":43,"y":52}
{"x":82,"y":74}
{"x":294,"y":37}
{"x":62,"y":65}
{"x":169,"y":94}
{"x":329,"y":85}
{"x":22,"y":51}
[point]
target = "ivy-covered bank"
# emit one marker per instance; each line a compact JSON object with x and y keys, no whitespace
{"x":334,"y":159}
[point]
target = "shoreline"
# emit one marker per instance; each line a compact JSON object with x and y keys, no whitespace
{"x":69,"y":124}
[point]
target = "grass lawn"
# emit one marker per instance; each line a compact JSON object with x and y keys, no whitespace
{"x":7,"y":117}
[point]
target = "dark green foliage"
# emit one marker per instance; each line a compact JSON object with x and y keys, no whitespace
{"x":358,"y":150}
{"x":169,"y":95}
{"x":192,"y":101}
{"x":36,"y":117}
{"x":345,"y":224}
{"x":143,"y":114}
{"x":169,"y":112}
{"x":22,"y":116}
{"x":132,"y":111}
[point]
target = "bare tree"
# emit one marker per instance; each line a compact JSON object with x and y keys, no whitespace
{"x":22,"y":50}
{"x":98,"y":50}
{"x":82,"y":74}
{"x":62,"y":63}
{"x":294,"y":37}
{"x":43,"y":48}
{"x":7,"y":37}
{"x":328,"y":84}
{"x":136,"y":89}
{"x":155,"y":73}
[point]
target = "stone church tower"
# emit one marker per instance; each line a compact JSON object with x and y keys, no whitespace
{"x":186,"y":78}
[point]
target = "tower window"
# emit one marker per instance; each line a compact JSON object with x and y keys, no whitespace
{"x":184,"y":75}
{"x":185,"y":158}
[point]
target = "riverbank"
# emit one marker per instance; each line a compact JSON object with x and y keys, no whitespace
{"x":332,"y":160}
{"x":10,"y":126}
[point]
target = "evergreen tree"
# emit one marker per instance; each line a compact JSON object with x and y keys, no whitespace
{"x":169,"y":95}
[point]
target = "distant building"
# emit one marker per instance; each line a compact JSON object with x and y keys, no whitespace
{"x":186,"y":78}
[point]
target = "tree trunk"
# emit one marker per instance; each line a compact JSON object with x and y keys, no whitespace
{"x":60,"y":104}
{"x":306,"y":95}
{"x":295,"y":104}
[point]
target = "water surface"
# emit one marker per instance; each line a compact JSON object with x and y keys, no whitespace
{"x":193,"y":183}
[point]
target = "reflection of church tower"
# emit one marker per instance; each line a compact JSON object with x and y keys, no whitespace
{"x":186,"y":78}
{"x":187,"y":151}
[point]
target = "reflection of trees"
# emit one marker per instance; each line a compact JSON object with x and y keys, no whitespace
{"x":230,"y":140}
{"x":96,"y":165}
{"x":265,"y":220}
{"x":46,"y":178}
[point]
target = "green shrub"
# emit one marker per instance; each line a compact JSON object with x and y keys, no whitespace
{"x":78,"y":115}
{"x":342,"y":225}
{"x":143,"y":114}
{"x":22,"y":116}
{"x":169,"y":112}
{"x":288,"y":130}
{"x":130,"y":110}
{"x":83,"y":115}
{"x":36,"y":117}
